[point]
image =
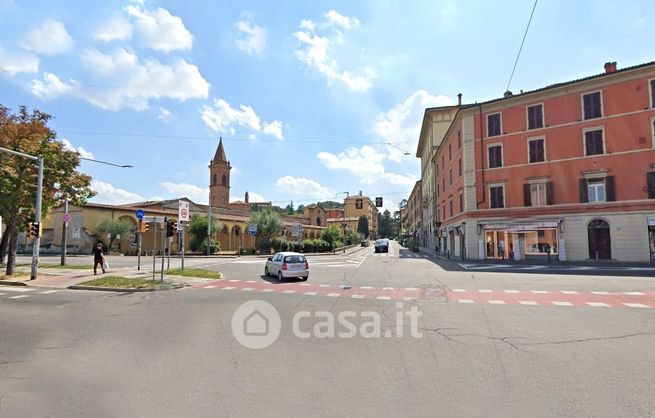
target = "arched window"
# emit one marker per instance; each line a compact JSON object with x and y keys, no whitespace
{"x":224,"y":180}
{"x":318,"y":221}
{"x":215,"y":179}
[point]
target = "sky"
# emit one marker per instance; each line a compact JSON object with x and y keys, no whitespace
{"x":312,"y":99}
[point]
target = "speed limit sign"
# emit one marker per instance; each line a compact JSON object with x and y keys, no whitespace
{"x":183,"y":212}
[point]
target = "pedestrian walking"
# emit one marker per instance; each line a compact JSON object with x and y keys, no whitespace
{"x":98,"y":259}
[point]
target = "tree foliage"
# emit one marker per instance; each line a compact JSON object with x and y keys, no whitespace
{"x":113,"y":228}
{"x":385,"y":224}
{"x":198,"y":230}
{"x":28,"y":132}
{"x":362,"y":226}
{"x":268,"y":224}
{"x":331,"y":234}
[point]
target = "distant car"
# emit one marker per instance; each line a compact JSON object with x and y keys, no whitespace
{"x":382,"y":245}
{"x":287,"y":264}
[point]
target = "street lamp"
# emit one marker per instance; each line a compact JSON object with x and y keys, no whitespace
{"x":64,"y":229}
{"x":405,"y":152}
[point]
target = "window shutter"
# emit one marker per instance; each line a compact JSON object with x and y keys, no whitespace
{"x":501,"y":201}
{"x":650,"y":179}
{"x":549,"y":193}
{"x":610,"y":194}
{"x":527,"y":199}
{"x":584,"y":194}
{"x":586,"y":106}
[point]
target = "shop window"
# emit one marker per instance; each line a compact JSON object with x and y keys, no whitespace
{"x":593,"y":142}
{"x":497,"y":196}
{"x":536,"y":116}
{"x":495,"y":156}
{"x":650,"y":181}
{"x":536,"y":152}
{"x":592,"y":105}
{"x":542,"y":241}
{"x":494,"y":124}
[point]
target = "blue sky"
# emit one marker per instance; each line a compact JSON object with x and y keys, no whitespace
{"x":306,"y":95}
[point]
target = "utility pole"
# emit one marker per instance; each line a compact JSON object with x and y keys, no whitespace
{"x":64,"y":233}
{"x":209,"y":227}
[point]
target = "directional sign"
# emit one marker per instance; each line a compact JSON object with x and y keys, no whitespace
{"x":252,"y":229}
{"x":140,"y":214}
{"x":154,"y":219}
{"x":183,"y":211}
{"x":297,"y":230}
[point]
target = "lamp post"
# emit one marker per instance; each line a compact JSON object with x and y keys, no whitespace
{"x":344,"y":210}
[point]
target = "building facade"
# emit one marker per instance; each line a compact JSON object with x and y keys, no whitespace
{"x":413,"y":212}
{"x":566,"y":172}
{"x":360,"y":205}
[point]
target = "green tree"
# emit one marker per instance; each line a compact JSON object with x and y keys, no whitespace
{"x":362,"y":226}
{"x":384,"y":224}
{"x":268,"y":223}
{"x":29,"y":133}
{"x":114,"y":228}
{"x":331,"y":234}
{"x":289,"y":209}
{"x":198,"y":230}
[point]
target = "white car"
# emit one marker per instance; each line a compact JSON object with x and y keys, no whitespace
{"x":287,"y":264}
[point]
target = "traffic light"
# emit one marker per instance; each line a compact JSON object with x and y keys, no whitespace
{"x":171,"y":228}
{"x":378,"y":202}
{"x":34,"y":230}
{"x":143,"y":227}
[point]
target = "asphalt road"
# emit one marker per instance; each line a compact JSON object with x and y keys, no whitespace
{"x":491,"y":344}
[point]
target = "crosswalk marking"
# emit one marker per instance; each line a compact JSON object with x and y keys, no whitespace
{"x":528,"y":302}
{"x":47,"y":292}
{"x":635,"y":305}
{"x":598,"y":304}
{"x":17,"y":289}
{"x":557,"y":303}
{"x":19,"y":297}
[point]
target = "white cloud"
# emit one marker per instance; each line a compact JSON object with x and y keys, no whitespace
{"x":251,"y":38}
{"x":256,"y":197}
{"x":304,"y":187}
{"x":222,"y":117}
{"x":274,"y":129}
{"x":106,"y":193}
{"x":21,"y":62}
{"x":70,"y":147}
{"x":50,"y":38}
{"x":365,"y":163}
{"x":115,"y":29}
{"x":340,"y":20}
{"x":193,"y":192}
{"x":164,"y":114}
{"x":127,"y":82}
{"x":159,"y":29}
{"x":401,"y":125}
{"x":315,"y":52}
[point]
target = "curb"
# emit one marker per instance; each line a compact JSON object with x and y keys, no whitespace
{"x":12,"y":283}
{"x":121,"y":289}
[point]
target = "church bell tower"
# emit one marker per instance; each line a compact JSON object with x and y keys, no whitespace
{"x":219,"y":178}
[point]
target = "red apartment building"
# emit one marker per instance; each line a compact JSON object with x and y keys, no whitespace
{"x":563,"y":172}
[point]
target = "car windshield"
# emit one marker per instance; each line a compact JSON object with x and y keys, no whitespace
{"x":381,"y":241}
{"x":294,"y":259}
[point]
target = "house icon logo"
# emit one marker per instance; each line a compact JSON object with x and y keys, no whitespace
{"x":256,"y":324}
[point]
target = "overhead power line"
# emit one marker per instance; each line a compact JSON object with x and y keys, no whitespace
{"x":522,"y":42}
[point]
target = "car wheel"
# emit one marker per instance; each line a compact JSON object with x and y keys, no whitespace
{"x":266,"y":273}
{"x":280,"y":277}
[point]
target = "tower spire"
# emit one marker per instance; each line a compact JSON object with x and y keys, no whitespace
{"x":220,"y":152}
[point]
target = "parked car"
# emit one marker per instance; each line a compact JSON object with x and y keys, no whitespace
{"x":382,"y":245}
{"x":287,"y":264}
{"x":365,"y":243}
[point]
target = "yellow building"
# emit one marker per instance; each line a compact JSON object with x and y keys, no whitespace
{"x":360,"y":205}
{"x":233,"y":218}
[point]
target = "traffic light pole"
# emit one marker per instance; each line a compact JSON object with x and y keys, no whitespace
{"x":37,"y":218}
{"x":64,"y":233}
{"x":138,"y":248}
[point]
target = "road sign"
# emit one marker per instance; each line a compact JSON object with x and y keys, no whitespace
{"x":77,"y":232}
{"x":297,"y":230}
{"x":252,"y":229}
{"x":140,"y":214}
{"x":183,"y":211}
{"x":67,"y":217}
{"x":154,"y":219}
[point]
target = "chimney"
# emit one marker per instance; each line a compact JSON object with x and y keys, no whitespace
{"x":507,"y":94}
{"x":610,"y":67}
{"x":459,"y":99}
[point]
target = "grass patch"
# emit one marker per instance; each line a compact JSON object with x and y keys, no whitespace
{"x":124,"y":283}
{"x":16,"y":276}
{"x":67,"y":266}
{"x":201,"y":273}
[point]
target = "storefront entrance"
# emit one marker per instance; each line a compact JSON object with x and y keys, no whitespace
{"x":598,"y":232}
{"x":496,"y":244}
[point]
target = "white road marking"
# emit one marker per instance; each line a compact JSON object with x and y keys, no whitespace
{"x":247,"y":289}
{"x":562,"y":303}
{"x":305,"y":284}
{"x":324,"y":285}
{"x":408,"y":298}
{"x":383,"y":297}
{"x":47,"y":292}
{"x":570,"y":292}
{"x":387,"y":288}
{"x":268,"y":290}
{"x":2,"y":294}
{"x":636,"y":305}
{"x":17,"y":289}
{"x":233,"y":281}
{"x":528,"y":302}
{"x":210,"y":287}
{"x":459,"y":290}
{"x":539,"y":291}
{"x":310,"y":293}
{"x":484,"y":290}
{"x":465,"y":301}
{"x":633,"y":293}
{"x":288,"y":291}
{"x":229,"y":288}
{"x":598,"y":304}
{"x":511,"y":291}
{"x":357,"y":297}
{"x":600,"y":293}
{"x":496,"y":302}
{"x":365,"y":287}
{"x":19,"y":296}
{"x":333,"y":295}
{"x":411,"y":288}
{"x":250,"y":281}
